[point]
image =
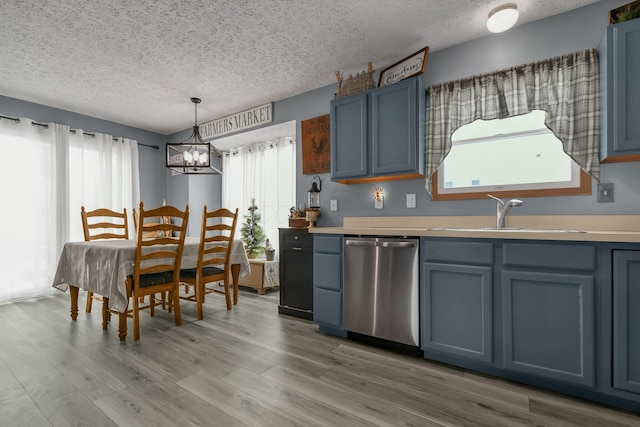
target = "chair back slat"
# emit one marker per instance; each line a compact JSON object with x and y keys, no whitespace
{"x":217,"y":238}
{"x":104,"y":223}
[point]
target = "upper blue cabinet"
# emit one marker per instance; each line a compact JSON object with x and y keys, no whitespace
{"x":619,"y":92}
{"x":379,"y":134}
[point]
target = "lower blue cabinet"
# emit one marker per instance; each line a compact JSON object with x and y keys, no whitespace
{"x":563,"y":315}
{"x":327,"y":283}
{"x":549,"y":325}
{"x":626,"y":320}
{"x":457,"y":310}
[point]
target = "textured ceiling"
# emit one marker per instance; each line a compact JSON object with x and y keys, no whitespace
{"x":138,"y":63}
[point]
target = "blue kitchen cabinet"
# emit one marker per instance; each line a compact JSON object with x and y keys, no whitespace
{"x":626,"y":320}
{"x":379,"y":133}
{"x":456,"y":296}
{"x":619,"y":89}
{"x":548,"y":310}
{"x":349,"y":137}
{"x":327,"y":283}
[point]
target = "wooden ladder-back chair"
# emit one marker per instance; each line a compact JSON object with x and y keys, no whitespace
{"x":214,"y":257}
{"x":103,"y":223}
{"x":157,"y":261}
{"x":147,"y":234}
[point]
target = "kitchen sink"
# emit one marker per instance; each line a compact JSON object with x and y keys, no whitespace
{"x":509,"y":229}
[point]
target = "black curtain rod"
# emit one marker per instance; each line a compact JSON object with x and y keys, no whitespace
{"x":17,"y":120}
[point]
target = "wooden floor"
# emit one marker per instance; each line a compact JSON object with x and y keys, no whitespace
{"x":248,"y":366}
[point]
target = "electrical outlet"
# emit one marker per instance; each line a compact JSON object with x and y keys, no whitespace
{"x":411,"y":200}
{"x":334,"y":205}
{"x":605,"y":193}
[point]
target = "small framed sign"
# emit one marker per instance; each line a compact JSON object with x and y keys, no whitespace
{"x":410,"y":66}
{"x":315,"y":145}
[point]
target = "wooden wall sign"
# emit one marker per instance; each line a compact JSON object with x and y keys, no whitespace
{"x":410,"y":66}
{"x":243,"y":120}
{"x":315,"y":145}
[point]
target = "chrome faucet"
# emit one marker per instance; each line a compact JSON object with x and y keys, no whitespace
{"x":503,"y":209}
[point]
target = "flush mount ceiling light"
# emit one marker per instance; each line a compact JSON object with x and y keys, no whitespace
{"x":194,"y":156}
{"x":502,"y":18}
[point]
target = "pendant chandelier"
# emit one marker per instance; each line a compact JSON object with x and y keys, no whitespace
{"x":194,"y":156}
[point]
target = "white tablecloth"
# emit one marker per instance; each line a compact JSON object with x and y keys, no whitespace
{"x":101,"y":266}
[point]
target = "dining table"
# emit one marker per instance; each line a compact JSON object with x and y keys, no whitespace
{"x":102,"y":266}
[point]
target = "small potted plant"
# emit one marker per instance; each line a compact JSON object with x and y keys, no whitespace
{"x":252,"y":233}
{"x":269,"y":251}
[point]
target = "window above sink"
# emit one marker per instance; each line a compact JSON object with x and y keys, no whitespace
{"x":517,"y":155}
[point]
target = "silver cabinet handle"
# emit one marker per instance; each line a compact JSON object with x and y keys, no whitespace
{"x":296,"y":248}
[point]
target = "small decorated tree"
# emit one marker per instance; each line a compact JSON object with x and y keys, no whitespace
{"x":252,"y":233}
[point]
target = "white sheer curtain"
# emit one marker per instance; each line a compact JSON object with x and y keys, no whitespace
{"x":47,"y":173}
{"x":103,"y":172}
{"x":265,"y":172}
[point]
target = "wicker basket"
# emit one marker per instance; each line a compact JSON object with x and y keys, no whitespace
{"x":298,"y":223}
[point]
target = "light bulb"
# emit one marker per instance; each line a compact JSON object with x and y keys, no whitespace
{"x":188,"y":157}
{"x":196,"y":155}
{"x":203,"y":158}
{"x":502,"y":18}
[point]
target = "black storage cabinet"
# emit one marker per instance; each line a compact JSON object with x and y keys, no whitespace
{"x":296,"y":273}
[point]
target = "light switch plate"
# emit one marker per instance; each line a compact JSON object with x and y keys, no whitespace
{"x":605,"y":193}
{"x":411,"y":200}
{"x":334,"y":205}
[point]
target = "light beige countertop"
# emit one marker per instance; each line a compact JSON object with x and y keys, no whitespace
{"x":594,"y":228}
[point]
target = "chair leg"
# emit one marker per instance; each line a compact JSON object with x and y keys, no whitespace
{"x":89,"y":302}
{"x":136,"y":319}
{"x":199,"y":290}
{"x":176,"y":306}
{"x":227,"y":293}
{"x":152,"y":304}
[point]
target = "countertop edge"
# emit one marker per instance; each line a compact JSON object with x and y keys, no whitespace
{"x":586,"y":236}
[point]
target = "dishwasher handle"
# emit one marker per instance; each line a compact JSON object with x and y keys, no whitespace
{"x":359,"y":242}
{"x":396,"y":244}
{"x":384,"y":244}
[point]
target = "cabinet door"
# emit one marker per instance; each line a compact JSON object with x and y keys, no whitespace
{"x":349,"y":137}
{"x":620,"y":84}
{"x":626,"y":320}
{"x":327,"y":308}
{"x":626,"y":84}
{"x":394,"y":140}
{"x":327,"y":271}
{"x":296,"y":277}
{"x":548,"y":325}
{"x":457,"y":310}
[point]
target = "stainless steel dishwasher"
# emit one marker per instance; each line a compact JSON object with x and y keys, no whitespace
{"x":381,"y":288}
